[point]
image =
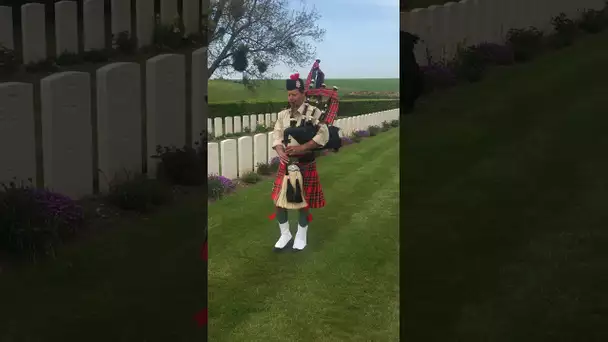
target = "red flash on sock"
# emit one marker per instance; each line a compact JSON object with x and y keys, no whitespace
{"x":201,"y":318}
{"x":309,"y":218}
{"x":204,"y":252}
{"x":272,"y":216}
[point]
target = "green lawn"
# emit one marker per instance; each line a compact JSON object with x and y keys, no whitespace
{"x":221,"y":91}
{"x":142,"y":280}
{"x":342,"y":287}
{"x":504,"y":191}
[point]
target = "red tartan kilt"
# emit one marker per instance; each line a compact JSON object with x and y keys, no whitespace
{"x":312,"y":185}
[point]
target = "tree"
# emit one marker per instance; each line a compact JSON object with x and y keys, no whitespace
{"x":252,"y":36}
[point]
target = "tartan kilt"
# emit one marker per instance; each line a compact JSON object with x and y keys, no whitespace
{"x":312,"y":185}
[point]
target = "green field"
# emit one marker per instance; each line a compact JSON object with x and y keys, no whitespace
{"x":504,"y":187}
{"x":222,"y":91}
{"x":342,"y":287}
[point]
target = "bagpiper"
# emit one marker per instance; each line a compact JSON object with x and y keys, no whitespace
{"x":297,"y":185}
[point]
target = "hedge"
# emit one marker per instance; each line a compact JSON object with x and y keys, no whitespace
{"x":347,"y":107}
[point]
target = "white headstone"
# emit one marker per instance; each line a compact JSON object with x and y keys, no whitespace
{"x":66,"y":27}
{"x":237,"y":124}
{"x":200,"y":110}
{"x":228,"y":125}
{"x":246,"y":124}
{"x":228,"y":153}
{"x":6,"y":27}
{"x":17,"y":134}
{"x":144,"y":22}
{"x":94,"y":37}
{"x":121,"y":17}
{"x":260,"y":149}
{"x":420,"y":25}
{"x":218,"y":127}
{"x":267,"y":120}
{"x":271,"y":152}
{"x":253,"y":121}
{"x":67,"y":133}
{"x":166,"y":103}
{"x":245,"y":154}
{"x":209,"y":125}
{"x":213,"y":159}
{"x":119,"y":120}
{"x":168,"y":11}
{"x":33,"y":28}
{"x":191,"y":10}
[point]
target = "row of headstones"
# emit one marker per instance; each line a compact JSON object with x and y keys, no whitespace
{"x":233,"y":158}
{"x":239,"y":124}
{"x":66,"y":121}
{"x":33,"y":24}
{"x":470,"y":22}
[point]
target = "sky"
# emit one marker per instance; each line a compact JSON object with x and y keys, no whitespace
{"x":361,"y":39}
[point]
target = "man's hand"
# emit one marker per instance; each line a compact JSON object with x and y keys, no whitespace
{"x":283,"y":157}
{"x":291,"y":150}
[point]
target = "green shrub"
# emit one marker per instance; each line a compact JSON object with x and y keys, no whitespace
{"x":469,"y":64}
{"x":259,"y":128}
{"x":267,"y":169}
{"x":9,"y":63}
{"x":251,"y":178}
{"x":374,"y":130}
{"x":526,"y":43}
{"x":386,"y":126}
{"x":47,"y":65}
{"x":347,"y":107}
{"x":215,"y":188}
{"x":139,"y":193}
{"x":394,"y":123}
{"x":593,"y":21}
{"x":124,"y":42}
{"x":69,"y":58}
{"x":185,"y":166}
{"x":97,"y":56}
{"x":566,"y":31}
{"x":356,"y":138}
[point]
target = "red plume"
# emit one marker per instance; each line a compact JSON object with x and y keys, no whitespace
{"x":294,"y":76}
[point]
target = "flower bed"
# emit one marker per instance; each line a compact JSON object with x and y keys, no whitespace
{"x":521,"y":45}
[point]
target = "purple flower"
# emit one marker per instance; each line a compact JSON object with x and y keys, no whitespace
{"x":496,"y":54}
{"x":346,"y":141}
{"x":362,"y":133}
{"x":438,"y":76}
{"x":275,"y":161}
{"x":58,"y":208}
{"x":227,"y":184}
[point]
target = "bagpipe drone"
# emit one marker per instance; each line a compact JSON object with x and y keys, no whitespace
{"x":326,"y":100}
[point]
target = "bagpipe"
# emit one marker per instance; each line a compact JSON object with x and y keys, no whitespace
{"x":291,"y":195}
{"x":326,"y":100}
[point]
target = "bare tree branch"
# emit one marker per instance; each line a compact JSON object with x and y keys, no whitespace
{"x":270,"y":32}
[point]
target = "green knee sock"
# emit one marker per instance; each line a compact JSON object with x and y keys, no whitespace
{"x":281,"y":215}
{"x":303,"y":220}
